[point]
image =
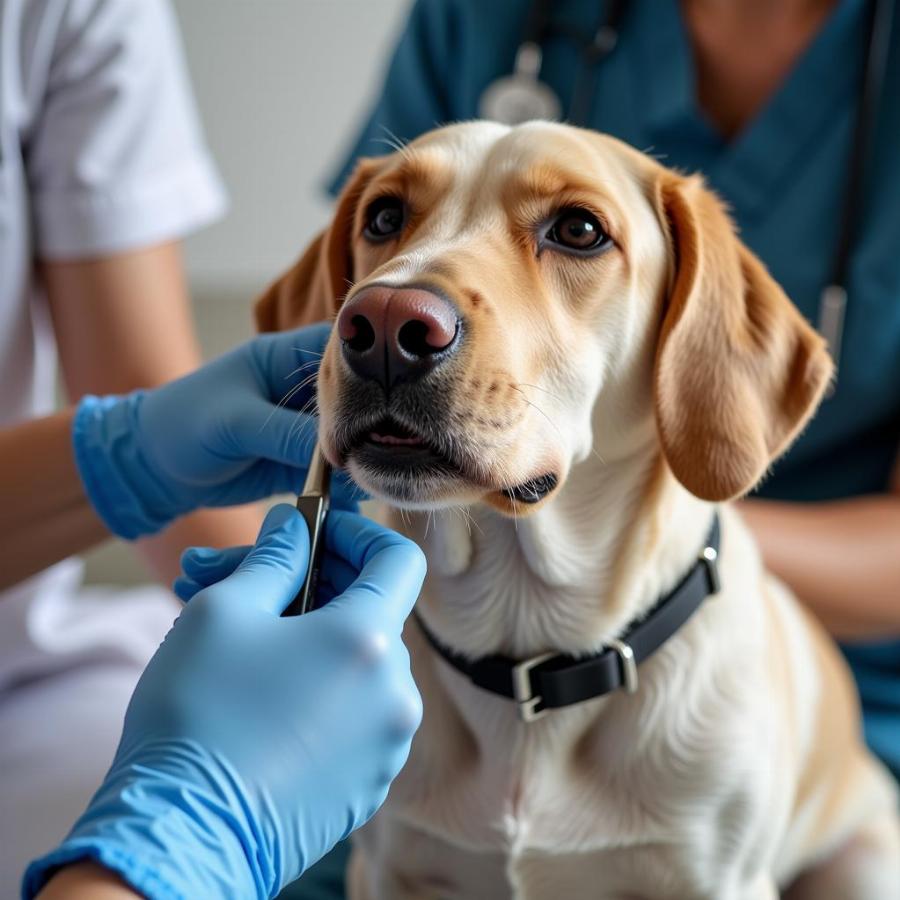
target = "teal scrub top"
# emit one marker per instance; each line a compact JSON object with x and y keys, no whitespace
{"x":783,"y":177}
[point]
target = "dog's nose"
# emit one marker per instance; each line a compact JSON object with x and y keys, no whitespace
{"x":393,"y":334}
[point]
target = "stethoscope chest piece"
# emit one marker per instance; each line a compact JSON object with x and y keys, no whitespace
{"x":521,"y":96}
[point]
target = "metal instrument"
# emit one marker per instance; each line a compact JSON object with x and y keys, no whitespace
{"x":313,"y":505}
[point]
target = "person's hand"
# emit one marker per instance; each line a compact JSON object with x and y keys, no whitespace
{"x":254,"y":743}
{"x":236,"y":430}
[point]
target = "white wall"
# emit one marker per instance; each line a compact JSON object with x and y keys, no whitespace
{"x":281,"y":86}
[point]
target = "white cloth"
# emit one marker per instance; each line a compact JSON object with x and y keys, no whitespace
{"x":100,"y":152}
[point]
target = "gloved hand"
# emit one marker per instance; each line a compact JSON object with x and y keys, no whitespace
{"x":255,"y":743}
{"x":226,"y":434}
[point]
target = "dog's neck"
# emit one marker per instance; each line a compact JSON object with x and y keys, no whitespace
{"x":571,"y":575}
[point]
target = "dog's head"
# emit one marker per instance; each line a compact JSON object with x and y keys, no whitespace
{"x":510,"y":301}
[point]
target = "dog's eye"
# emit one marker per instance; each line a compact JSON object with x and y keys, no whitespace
{"x":384,"y":218}
{"x":578,"y":230}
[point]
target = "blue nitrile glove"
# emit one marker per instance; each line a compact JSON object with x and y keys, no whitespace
{"x":254,"y":743}
{"x":226,"y":434}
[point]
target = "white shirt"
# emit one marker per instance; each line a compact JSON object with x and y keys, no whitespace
{"x":100,"y":152}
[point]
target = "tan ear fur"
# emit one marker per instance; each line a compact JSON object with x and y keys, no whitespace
{"x":739,"y":371}
{"x":313,"y":289}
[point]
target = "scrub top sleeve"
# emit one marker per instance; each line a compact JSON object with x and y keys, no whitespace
{"x":415,"y":96}
{"x":116,"y":159}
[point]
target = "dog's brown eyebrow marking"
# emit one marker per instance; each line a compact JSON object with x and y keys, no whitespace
{"x":420,"y":175}
{"x":552,"y":182}
{"x":547,"y":179}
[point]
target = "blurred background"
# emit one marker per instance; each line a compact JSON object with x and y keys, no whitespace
{"x":280,"y":107}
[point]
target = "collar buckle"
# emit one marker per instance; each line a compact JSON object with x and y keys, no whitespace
{"x":629,"y":666}
{"x":523,"y":689}
{"x":709,"y":556}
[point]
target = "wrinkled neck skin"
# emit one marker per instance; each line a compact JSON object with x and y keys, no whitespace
{"x":574,"y":573}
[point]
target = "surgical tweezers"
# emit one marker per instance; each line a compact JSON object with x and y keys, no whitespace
{"x":313,"y":505}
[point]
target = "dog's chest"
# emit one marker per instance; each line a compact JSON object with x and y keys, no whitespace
{"x":572,"y":783}
{"x":547,"y":817}
{"x":627,"y":786}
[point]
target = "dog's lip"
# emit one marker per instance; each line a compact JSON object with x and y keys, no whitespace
{"x":391,"y":434}
{"x":534,"y":490}
{"x":394,"y":434}
{"x":390,"y":438}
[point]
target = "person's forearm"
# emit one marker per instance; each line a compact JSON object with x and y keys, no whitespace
{"x":45,"y":515}
{"x":842,"y":559}
{"x":86,"y":881}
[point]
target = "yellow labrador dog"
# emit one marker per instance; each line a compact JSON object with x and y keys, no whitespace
{"x":558,"y":360}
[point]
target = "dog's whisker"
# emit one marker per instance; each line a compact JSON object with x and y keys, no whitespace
{"x":470,"y":521}
{"x":544,"y":390}
{"x":295,"y":389}
{"x":309,"y":379}
{"x":308,"y":409}
{"x":286,"y":399}
{"x":466,"y":520}
{"x":392,"y":139}
{"x":535,"y":406}
{"x":308,"y":365}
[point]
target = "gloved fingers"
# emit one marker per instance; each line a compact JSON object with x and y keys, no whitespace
{"x":203,"y":566}
{"x":393,"y":758}
{"x":336,"y":574}
{"x":274,"y":433}
{"x":270,"y":575}
{"x":391,"y":568}
{"x":263,"y":479}
{"x":288,"y":358}
{"x":186,"y":588}
{"x":407,"y":711}
{"x":287,"y":437}
{"x":346,"y":494}
{"x":357,"y":539}
{"x":207,"y":565}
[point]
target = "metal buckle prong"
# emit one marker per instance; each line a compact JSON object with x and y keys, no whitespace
{"x":629,"y":666}
{"x":710,"y":558}
{"x":523,"y":690}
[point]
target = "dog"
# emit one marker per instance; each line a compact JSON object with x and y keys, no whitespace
{"x":555,"y":362}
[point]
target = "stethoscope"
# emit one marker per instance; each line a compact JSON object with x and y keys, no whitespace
{"x":522,"y":96}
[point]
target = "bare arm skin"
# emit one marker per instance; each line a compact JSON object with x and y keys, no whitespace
{"x":842,"y":558}
{"x":124,"y":322}
{"x":45,"y":515}
{"x":86,"y":881}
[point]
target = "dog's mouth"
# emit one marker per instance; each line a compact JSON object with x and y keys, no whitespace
{"x":415,"y":466}
{"x":391,"y":444}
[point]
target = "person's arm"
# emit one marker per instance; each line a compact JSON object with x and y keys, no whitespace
{"x":87,"y":881}
{"x":45,"y":515}
{"x":842,"y":558}
{"x":123,"y":322}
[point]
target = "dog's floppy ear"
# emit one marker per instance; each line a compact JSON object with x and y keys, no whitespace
{"x":739,"y":371}
{"x":313,"y":289}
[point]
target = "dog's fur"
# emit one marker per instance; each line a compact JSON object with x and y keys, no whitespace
{"x":656,"y":380}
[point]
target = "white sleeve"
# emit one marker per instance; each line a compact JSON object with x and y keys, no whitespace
{"x":116,"y":159}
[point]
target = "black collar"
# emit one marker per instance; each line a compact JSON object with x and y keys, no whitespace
{"x":552,"y":680}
